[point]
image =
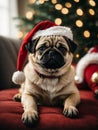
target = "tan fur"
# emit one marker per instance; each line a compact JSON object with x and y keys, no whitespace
{"x":47,"y":91}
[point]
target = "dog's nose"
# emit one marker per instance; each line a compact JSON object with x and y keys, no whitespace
{"x":51,"y":54}
{"x":52,"y":59}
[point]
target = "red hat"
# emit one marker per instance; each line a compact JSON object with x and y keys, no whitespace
{"x":44,"y":28}
{"x":90,"y":58}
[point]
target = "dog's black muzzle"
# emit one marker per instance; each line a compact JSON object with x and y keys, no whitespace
{"x":52,"y":60}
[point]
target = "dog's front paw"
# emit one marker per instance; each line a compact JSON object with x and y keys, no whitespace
{"x":71,"y":112}
{"x":30,"y":117}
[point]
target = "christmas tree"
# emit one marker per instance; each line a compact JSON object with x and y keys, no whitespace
{"x":80,"y":15}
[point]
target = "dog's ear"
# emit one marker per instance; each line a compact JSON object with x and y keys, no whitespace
{"x":72,"y":45}
{"x":32,"y":45}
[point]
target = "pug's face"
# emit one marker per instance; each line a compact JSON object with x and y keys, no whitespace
{"x":52,"y":53}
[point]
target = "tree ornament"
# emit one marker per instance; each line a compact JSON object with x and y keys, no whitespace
{"x":94,"y":77}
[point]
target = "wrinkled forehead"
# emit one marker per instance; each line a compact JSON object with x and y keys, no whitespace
{"x":52,"y":41}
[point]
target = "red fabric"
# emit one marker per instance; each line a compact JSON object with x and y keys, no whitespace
{"x":23,"y":52}
{"x":88,"y":74}
{"x":50,"y":117}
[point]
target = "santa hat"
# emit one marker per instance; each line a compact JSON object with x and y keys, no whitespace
{"x":44,"y":28}
{"x":90,"y":58}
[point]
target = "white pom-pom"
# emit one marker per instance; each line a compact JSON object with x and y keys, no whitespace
{"x":18,"y":77}
{"x":78,"y":80}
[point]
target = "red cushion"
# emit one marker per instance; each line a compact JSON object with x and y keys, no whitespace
{"x":50,"y":117}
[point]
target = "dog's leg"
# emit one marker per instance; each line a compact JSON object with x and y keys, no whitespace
{"x":70,"y":104}
{"x":30,"y":115}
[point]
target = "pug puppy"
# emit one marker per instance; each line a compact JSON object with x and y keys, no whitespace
{"x":49,"y":78}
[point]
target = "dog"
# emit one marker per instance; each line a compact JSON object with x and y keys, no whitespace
{"x":49,"y":78}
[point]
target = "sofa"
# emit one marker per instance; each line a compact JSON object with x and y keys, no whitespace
{"x":50,"y":117}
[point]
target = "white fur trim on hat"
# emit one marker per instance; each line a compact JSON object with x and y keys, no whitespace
{"x":89,"y":58}
{"x":55,"y":30}
{"x":18,"y":77}
{"x":90,"y":50}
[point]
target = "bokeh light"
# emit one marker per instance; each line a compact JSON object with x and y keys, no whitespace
{"x":79,"y":23}
{"x":86,"y":33}
{"x":58,"y":21}
{"x":79,"y":12}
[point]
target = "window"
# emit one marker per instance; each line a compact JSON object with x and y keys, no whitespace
{"x":8,"y":10}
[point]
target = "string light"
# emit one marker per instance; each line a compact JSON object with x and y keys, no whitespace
{"x":77,"y":56}
{"x":76,"y":1}
{"x":29,"y":15}
{"x":64,"y":11}
{"x":58,"y":6}
{"x":58,"y":21}
{"x":79,"y":23}
{"x":92,"y":12}
{"x":68,"y":5}
{"x":86,"y":49}
{"x":86,"y":34}
{"x":54,"y":1}
{"x":32,"y":1}
{"x":19,"y":34}
{"x":92,"y":3}
{"x":79,"y":12}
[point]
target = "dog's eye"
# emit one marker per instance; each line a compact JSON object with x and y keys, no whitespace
{"x":62,"y":49}
{"x":42,"y":48}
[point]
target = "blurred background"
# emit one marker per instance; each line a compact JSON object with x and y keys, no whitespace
{"x":18,"y":17}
